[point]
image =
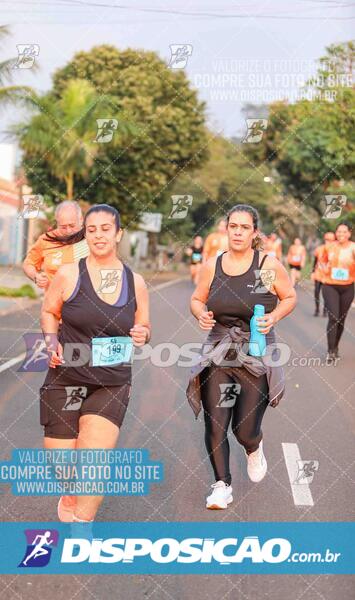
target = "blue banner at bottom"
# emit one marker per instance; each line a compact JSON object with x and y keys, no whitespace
{"x":177,"y":548}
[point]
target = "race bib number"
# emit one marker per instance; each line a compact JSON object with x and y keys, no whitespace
{"x":296,"y":258}
{"x":196,"y":256}
{"x":107,"y":352}
{"x":340,"y":274}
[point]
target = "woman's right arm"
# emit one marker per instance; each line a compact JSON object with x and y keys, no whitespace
{"x":200,"y":296}
{"x":33,"y":263}
{"x":51,"y":314}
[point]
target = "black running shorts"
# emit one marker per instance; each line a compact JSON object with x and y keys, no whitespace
{"x":297,"y":267}
{"x":62,"y":403}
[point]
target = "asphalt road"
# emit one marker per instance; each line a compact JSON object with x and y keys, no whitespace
{"x":317,"y":415}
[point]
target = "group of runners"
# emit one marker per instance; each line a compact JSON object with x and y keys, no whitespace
{"x":93,"y":300}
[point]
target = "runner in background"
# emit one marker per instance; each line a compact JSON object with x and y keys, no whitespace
{"x":296,"y":258}
{"x":338,"y":286}
{"x":216,"y":242}
{"x":318,"y":270}
{"x":195,"y":254}
{"x":273,"y":246}
{"x":63,"y":245}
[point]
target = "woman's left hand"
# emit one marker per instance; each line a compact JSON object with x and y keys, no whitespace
{"x":265,"y":323}
{"x":139,"y":334}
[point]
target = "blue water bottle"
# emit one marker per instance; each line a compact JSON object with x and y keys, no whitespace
{"x":257,"y":342}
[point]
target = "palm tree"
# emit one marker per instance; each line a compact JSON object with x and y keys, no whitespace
{"x":64,"y":131}
{"x":12,"y":93}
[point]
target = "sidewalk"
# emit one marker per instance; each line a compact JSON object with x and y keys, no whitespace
{"x":13,"y":277}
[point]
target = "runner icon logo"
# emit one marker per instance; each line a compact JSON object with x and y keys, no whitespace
{"x":180,"y":206}
{"x":39,"y":547}
{"x":306,"y":471}
{"x":32,"y":203}
{"x":36,"y":358}
{"x":26,"y":56}
{"x":105,"y":130}
{"x":109,"y":280}
{"x":264,"y":279}
{"x":256,"y":128}
{"x":75,"y":397}
{"x":334,"y":205}
{"x":179,"y":55}
{"x":229,"y":393}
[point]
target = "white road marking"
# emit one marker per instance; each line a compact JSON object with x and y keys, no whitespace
{"x":12,"y":362}
{"x":300,"y":491}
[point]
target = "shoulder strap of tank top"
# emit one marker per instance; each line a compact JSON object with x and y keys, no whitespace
{"x":262,"y":261}
{"x":255,"y":261}
{"x":82,"y":266}
{"x":218,"y":267}
{"x":130,"y":282}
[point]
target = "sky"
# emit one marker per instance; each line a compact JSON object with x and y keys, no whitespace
{"x":240,"y":52}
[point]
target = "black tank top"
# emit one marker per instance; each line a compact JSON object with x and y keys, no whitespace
{"x":196,"y":256}
{"x":232,"y":297}
{"x":85,"y":316}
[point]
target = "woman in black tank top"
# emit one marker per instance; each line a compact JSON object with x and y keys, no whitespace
{"x":238,"y":390}
{"x":104,"y":311}
{"x":232,"y":297}
{"x":195,"y":254}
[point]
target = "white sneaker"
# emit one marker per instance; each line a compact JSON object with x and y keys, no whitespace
{"x":220,"y":497}
{"x":257,"y":465}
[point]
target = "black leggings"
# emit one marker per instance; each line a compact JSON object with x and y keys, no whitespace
{"x":317,"y":289}
{"x":223,"y":402}
{"x":337,"y":299}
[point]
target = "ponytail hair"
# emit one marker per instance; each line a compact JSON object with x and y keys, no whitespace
{"x":72,"y":238}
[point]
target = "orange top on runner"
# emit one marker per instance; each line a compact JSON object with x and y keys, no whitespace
{"x":215,"y":243}
{"x":319,"y":271}
{"x":340,"y":264}
{"x":48,"y":256}
{"x":295,"y":254}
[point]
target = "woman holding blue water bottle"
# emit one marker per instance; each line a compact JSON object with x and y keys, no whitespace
{"x":240,"y":296}
{"x":104,"y":311}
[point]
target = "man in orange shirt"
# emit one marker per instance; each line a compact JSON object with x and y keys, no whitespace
{"x":216,"y":242}
{"x":318,"y":271}
{"x":56,"y":247}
